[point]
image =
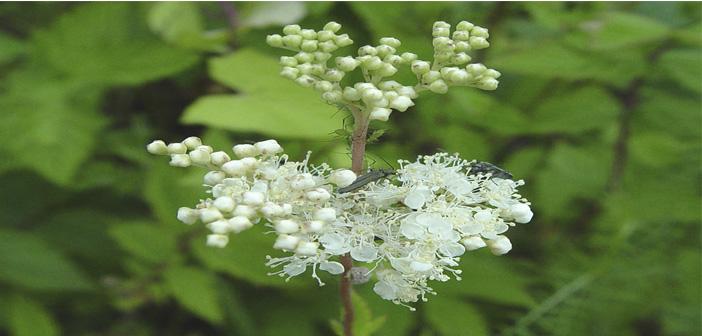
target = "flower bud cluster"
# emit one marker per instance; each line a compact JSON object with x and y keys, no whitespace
{"x":377,"y":96}
{"x":411,"y":228}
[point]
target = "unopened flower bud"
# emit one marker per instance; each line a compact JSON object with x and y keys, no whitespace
{"x":286,"y":242}
{"x":478,"y":42}
{"x":387,"y":70}
{"x":332,"y":27}
{"x":308,"y":34}
{"x":268,"y":147}
{"x":291,"y":29}
{"x":401,"y":103}
{"x":224,"y":204}
{"x":275,"y":40}
{"x":245,"y":150}
{"x":367,"y":50}
{"x":323,"y":86}
{"x":334,"y":75}
{"x":239,"y":223}
{"x":473,"y":243}
{"x":305,"y":81}
{"x":199,"y":156}
{"x":492,"y":73}
{"x":315,"y":226}
{"x":290,"y":73}
{"x":521,"y":213}
{"x":346,"y":63}
{"x":488,"y":84}
{"x":192,"y":142}
{"x":177,"y":148}
{"x":303,"y":181}
{"x":234,"y":168}
{"x":499,"y":245}
{"x":325,"y":214}
{"x":380,"y":113}
{"x":409,"y":57}
{"x":210,"y":215}
{"x":292,"y":41}
{"x":438,"y":86}
{"x":385,"y":50}
{"x":180,"y":160}
{"x":343,"y":40}
{"x":307,"y":248}
{"x":441,"y":32}
{"x":309,"y":46}
{"x":217,"y":240}
{"x":187,"y":215}
{"x":287,"y":226}
{"x":254,"y":198}
{"x":480,"y":32}
{"x":157,"y":147}
{"x":214,"y":177}
{"x":318,"y":195}
{"x":476,"y":69}
{"x":244,"y":210}
{"x":431,"y":77}
{"x":304,"y":57}
{"x":219,"y":226}
{"x":390,"y":41}
{"x":464,"y":26}
{"x":325,"y":35}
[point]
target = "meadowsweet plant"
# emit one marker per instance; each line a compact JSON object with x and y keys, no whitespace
{"x":403,"y":231}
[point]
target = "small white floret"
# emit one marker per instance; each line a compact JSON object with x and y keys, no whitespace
{"x":287,"y":226}
{"x":286,"y":242}
{"x":217,"y":240}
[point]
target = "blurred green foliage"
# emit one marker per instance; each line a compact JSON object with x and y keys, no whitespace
{"x":598,"y":110}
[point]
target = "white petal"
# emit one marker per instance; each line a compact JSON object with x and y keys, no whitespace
{"x":414,"y":200}
{"x":332,"y":267}
{"x":500,"y":245}
{"x":364,"y":253}
{"x":452,"y":249}
{"x":412,"y":230}
{"x":385,"y":290}
{"x":294,"y":269}
{"x":418,"y":266}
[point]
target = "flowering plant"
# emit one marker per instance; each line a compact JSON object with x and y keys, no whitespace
{"x":408,"y":227}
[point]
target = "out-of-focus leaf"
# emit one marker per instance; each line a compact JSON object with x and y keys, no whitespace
{"x":265,"y":14}
{"x":180,"y":23}
{"x":364,"y":324}
{"x":656,"y":149}
{"x":571,"y":172}
{"x":616,"y":30}
{"x":237,"y":314}
{"x":680,"y":315}
{"x":523,"y":163}
{"x":483,"y":110}
{"x":26,"y":196}
{"x":691,"y":35}
{"x":10,"y":48}
{"x":37,"y":112}
{"x":451,"y":316}
{"x":578,"y":111}
{"x":268,"y":103}
{"x":487,"y":277}
{"x":399,"y":320}
{"x":145,"y":240}
{"x":468,"y":144}
{"x":684,"y":66}
{"x":195,"y":289}
{"x":109,"y":43}
{"x":245,"y":258}
{"x":30,"y":318}
{"x":671,"y":113}
{"x":27,"y":261}
{"x":169,"y":188}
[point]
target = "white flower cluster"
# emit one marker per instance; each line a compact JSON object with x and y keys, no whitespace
{"x":377,"y":95}
{"x":411,"y":229}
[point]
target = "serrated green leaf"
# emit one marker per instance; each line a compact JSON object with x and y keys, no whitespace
{"x":30,"y":318}
{"x":109,"y":43}
{"x":145,"y":240}
{"x":578,"y":111}
{"x":684,"y":66}
{"x":26,"y":261}
{"x":451,"y":316}
{"x":196,"y":290}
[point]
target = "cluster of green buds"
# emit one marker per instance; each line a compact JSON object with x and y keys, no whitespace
{"x":377,"y":95}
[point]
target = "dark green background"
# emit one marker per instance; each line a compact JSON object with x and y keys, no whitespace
{"x":598,"y":110}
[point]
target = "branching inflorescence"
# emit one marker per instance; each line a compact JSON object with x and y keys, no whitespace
{"x":407,"y":228}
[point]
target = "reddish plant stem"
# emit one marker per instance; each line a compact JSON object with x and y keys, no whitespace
{"x":358,"y":150}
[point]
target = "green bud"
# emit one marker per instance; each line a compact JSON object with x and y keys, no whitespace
{"x":372,"y":95}
{"x":288,"y":61}
{"x":479,"y":32}
{"x":478,"y":42}
{"x":445,"y":71}
{"x":291,"y":30}
{"x":274,"y":40}
{"x":458,"y":77}
{"x":390,"y":41}
{"x":304,"y":57}
{"x":488,"y":84}
{"x":327,"y":46}
{"x":332,"y":27}
{"x":343,"y":40}
{"x":460,"y":58}
{"x":321,"y":57}
{"x":420,"y":67}
{"x":323,"y":86}
{"x":317,"y":70}
{"x":409,"y":57}
{"x":476,"y":69}
{"x":462,"y":46}
{"x":334,"y":75}
{"x":351,"y":94}
{"x":441,"y":24}
{"x":430,"y":77}
{"x":438,"y":86}
{"x":305,"y":81}
{"x":292,"y":41}
{"x":390,"y":95}
{"x":308,"y":34}
{"x":325,"y":35}
{"x":441,"y":43}
{"x":387,"y":70}
{"x":385,"y":50}
{"x":394,"y":60}
{"x":332,"y":97}
{"x":309,"y":45}
{"x":367,"y":50}
{"x":492,"y":73}
{"x":290,"y":73}
{"x":443,"y":56}
{"x":346,"y":64}
{"x":460,"y":35}
{"x":464,"y":26}
{"x":441,"y":32}
{"x":305,"y":68}
{"x":373,"y":63}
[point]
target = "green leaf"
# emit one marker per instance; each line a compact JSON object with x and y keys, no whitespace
{"x":656,"y":149}
{"x":267,"y":103}
{"x":578,"y":111}
{"x":168,"y":188}
{"x":10,"y":48}
{"x":399,"y":320}
{"x":245,"y":258}
{"x":484,"y":110}
{"x":26,"y":261}
{"x":671,"y":113}
{"x":486,"y":277}
{"x":570,"y":173}
{"x":265,"y":14}
{"x":30,"y":318}
{"x":684,"y":66}
{"x":145,"y":240}
{"x":195,"y":289}
{"x":451,"y":316}
{"x":469,"y":144}
{"x":109,"y":43}
{"x":615,"y":30}
{"x":180,"y":23}
{"x":364,"y":324}
{"x":37,"y":112}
